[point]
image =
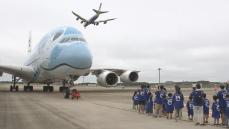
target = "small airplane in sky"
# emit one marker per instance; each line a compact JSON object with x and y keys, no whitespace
{"x":92,"y":20}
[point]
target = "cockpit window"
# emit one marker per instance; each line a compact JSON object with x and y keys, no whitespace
{"x":57,"y":35}
{"x":64,"y":40}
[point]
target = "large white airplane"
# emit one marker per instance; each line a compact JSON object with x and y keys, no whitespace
{"x":62,"y":55}
{"x":92,"y":20}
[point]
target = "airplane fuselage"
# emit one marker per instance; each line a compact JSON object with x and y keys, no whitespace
{"x":91,"y":20}
{"x":61,"y":54}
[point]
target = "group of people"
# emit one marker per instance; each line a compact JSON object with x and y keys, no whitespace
{"x":198,"y":106}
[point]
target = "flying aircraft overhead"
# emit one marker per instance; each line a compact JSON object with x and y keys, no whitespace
{"x":62,"y":55}
{"x":93,"y":19}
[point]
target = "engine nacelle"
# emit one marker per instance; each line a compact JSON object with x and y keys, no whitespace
{"x":77,"y":18}
{"x":105,"y":22}
{"x":107,"y":78}
{"x":129,"y":76}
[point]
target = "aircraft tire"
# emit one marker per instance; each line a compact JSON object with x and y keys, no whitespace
{"x":45,"y":89}
{"x":50,"y":88}
{"x":16,"y":88}
{"x":61,"y":89}
{"x":30,"y":88}
{"x":11,"y":88}
{"x":25,"y":88}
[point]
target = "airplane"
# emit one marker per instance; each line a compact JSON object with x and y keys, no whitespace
{"x":92,"y":20}
{"x":62,"y":55}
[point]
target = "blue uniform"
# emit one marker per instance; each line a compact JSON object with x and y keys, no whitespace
{"x":149,"y":105}
{"x":222,"y":96}
{"x":193,"y":93}
{"x":136,"y":99}
{"x":146,"y":93}
{"x":216,"y":110}
{"x":206,"y":106}
{"x":142,"y":95}
{"x":189,"y":106}
{"x":198,"y":98}
{"x":159,"y":97}
{"x":169,"y":105}
{"x":227,"y":108}
{"x":178,"y":101}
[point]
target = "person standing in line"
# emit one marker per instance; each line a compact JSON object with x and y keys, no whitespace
{"x":189,"y":106}
{"x":222,"y":96}
{"x":159,"y":101}
{"x":169,"y":106}
{"x":135,"y":99}
{"x":178,"y":102}
{"x":149,"y":104}
{"x":198,"y":103}
{"x":142,"y":100}
{"x":227,"y":110}
{"x":206,"y":108}
{"x":215,"y":110}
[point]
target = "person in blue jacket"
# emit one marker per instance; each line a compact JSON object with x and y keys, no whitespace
{"x":222,"y":96}
{"x":198,"y":102}
{"x":189,"y":106}
{"x":142,"y":100}
{"x":227,"y":110}
{"x":216,"y":110}
{"x":149,"y":104}
{"x":135,"y":99}
{"x":160,"y":93}
{"x":169,"y":106}
{"x":178,"y":102}
{"x":206,"y":108}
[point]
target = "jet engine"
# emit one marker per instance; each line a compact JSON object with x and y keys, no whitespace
{"x":129,"y":76}
{"x":105,"y":22}
{"x":107,"y":78}
{"x":77,"y":18}
{"x":81,"y":22}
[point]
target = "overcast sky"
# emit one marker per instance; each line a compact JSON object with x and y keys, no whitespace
{"x":188,"y":39}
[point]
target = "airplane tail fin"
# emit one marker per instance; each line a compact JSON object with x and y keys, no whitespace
{"x":30,"y":42}
{"x":99,"y":10}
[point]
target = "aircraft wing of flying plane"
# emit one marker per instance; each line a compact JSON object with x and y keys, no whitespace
{"x":79,"y":17}
{"x":104,"y":21}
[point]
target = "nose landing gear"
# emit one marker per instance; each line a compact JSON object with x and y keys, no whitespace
{"x":14,"y":87}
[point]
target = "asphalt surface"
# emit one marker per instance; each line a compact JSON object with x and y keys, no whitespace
{"x":95,"y":110}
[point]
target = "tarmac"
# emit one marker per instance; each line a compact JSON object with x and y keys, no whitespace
{"x":94,"y":110}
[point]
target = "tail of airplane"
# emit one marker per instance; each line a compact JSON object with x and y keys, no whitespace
{"x":30,"y":43}
{"x":99,"y":10}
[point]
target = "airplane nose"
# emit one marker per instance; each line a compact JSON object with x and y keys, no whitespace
{"x":75,"y":55}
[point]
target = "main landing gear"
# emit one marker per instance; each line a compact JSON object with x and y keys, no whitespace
{"x":14,"y":87}
{"x":62,"y":88}
{"x":28,"y":87}
{"x":48,"y":88}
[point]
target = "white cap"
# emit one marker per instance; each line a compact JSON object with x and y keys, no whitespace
{"x":193,"y":85}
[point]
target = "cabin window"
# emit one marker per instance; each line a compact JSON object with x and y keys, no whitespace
{"x":57,"y":35}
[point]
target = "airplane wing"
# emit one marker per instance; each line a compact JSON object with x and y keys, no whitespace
{"x":24,"y":72}
{"x":117,"y":71}
{"x":79,"y":17}
{"x":103,"y":21}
